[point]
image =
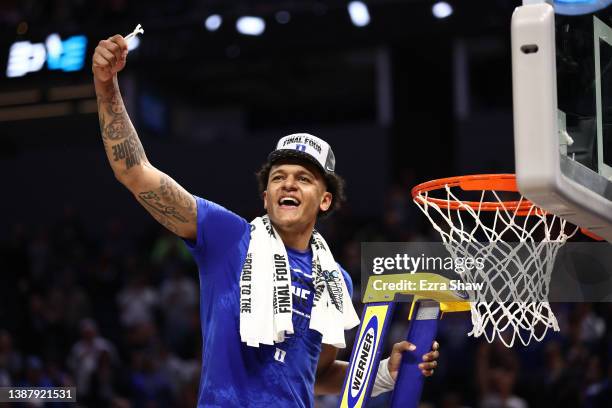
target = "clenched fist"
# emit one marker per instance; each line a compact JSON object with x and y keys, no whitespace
{"x":109,"y":58}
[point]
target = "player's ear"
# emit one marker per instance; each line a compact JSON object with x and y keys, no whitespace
{"x":264,"y":196}
{"x":326,"y":201}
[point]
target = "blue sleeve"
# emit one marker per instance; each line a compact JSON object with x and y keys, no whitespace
{"x":217,"y":228}
{"x":348,"y":280}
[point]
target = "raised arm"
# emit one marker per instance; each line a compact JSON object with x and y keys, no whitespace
{"x":169,"y":203}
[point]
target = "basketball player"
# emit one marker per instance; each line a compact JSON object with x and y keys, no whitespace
{"x":298,"y":185}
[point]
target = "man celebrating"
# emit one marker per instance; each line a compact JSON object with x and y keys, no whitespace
{"x":273,"y":302}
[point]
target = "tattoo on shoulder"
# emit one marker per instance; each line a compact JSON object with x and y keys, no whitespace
{"x":169,"y":204}
{"x":154,"y":202}
{"x":175,"y":194}
{"x":157,"y":211}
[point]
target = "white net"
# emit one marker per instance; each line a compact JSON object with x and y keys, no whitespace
{"x":518,"y":244}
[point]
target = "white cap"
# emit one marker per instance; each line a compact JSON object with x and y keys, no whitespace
{"x":306,"y":146}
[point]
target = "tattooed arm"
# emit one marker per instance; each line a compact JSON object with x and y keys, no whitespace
{"x":162,"y":197}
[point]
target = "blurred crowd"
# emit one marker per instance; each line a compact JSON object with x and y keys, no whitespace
{"x":115,"y":314}
{"x":115,"y":317}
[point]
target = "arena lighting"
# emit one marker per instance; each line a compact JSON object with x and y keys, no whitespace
{"x":578,"y":7}
{"x":54,"y":46}
{"x":213,"y":22}
{"x":442,"y":9}
{"x":67,"y":55}
{"x":360,"y":16}
{"x":249,"y":25}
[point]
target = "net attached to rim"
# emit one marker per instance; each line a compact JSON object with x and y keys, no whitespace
{"x":484,"y":216}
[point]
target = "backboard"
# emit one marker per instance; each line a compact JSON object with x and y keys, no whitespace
{"x":562,"y":102}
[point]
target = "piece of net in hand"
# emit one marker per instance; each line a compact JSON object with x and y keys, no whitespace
{"x":485,"y":217}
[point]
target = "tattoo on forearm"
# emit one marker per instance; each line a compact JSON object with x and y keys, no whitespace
{"x":119,"y":126}
{"x":116,"y":127}
{"x":167,"y":202}
{"x":129,"y":150}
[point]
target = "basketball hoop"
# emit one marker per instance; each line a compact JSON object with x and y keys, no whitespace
{"x":517,"y":241}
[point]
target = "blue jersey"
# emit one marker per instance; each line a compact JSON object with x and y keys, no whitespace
{"x":234,"y":375}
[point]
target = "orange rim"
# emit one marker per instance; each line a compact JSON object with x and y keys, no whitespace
{"x":477,"y":182}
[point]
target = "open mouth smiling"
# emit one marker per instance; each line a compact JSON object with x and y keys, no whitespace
{"x":289,"y":202}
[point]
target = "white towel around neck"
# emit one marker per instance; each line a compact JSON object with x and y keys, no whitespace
{"x":265,"y":291}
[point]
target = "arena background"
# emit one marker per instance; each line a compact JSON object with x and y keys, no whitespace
{"x":94,"y":293}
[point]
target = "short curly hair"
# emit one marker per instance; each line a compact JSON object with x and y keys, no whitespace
{"x":334,"y":183}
